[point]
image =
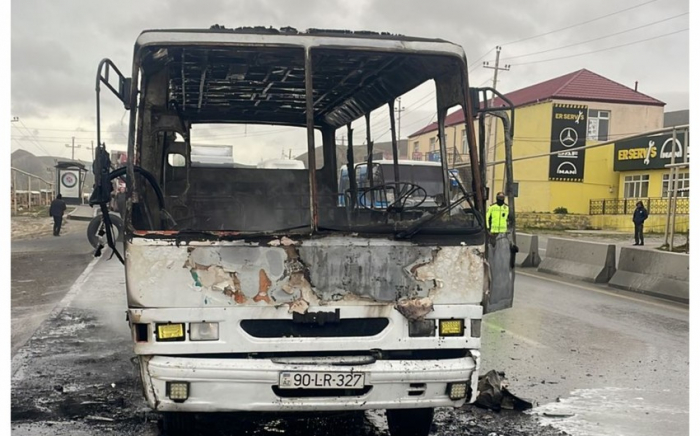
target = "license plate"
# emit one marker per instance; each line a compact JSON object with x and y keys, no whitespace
{"x":322,"y":380}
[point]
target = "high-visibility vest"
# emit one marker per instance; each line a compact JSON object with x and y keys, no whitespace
{"x":497,"y":218}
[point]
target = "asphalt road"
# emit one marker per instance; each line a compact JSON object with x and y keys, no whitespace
{"x":598,"y":362}
{"x":43,"y":269}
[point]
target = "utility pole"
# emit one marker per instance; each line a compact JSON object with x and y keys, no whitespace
{"x":671,"y":187}
{"x":29,"y":190}
{"x":14,"y":191}
{"x":73,"y":147}
{"x":398,"y":110}
{"x":495,"y":69}
{"x":92,"y":150}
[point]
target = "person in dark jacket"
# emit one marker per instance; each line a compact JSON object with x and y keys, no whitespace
{"x":58,"y":207}
{"x":640,"y":215}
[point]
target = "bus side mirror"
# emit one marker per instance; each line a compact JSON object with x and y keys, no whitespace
{"x":474,"y":97}
{"x":125,"y":92}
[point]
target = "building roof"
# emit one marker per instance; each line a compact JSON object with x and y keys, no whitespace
{"x":677,"y":118}
{"x":583,"y":85}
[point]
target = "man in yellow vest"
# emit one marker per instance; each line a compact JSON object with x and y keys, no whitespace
{"x":498,"y":216}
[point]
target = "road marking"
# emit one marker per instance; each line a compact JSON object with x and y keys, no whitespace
{"x":51,"y":292}
{"x":601,"y":291}
{"x":22,"y":354}
{"x":528,"y":341}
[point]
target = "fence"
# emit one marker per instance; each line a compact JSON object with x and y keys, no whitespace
{"x":624,"y":206}
{"x":26,"y":199}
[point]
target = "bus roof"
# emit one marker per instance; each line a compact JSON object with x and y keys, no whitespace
{"x":258,"y":75}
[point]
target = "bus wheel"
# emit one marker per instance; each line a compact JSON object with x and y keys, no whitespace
{"x":409,"y":422}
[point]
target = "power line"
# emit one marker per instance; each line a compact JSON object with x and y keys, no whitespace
{"x":483,"y":56}
{"x":29,"y":139}
{"x":596,"y":39}
{"x":580,"y":24}
{"x":603,"y":49}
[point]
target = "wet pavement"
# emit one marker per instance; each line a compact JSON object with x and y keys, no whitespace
{"x":609,"y":362}
{"x":597,"y":362}
{"x":43,"y":268}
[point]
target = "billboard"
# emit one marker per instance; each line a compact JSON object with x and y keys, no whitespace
{"x":569,"y":130}
{"x":648,"y":152}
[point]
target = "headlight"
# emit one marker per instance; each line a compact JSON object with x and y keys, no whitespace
{"x":177,"y":391}
{"x":457,"y":391}
{"x":204,"y":331}
{"x":451,"y":327}
{"x":170,"y":332}
{"x":422,"y":328}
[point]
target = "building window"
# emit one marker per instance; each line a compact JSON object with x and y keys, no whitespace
{"x":598,"y":125}
{"x":433,"y":144}
{"x":637,"y":186}
{"x":415,"y":147}
{"x":682,"y":185}
{"x":464,"y":141}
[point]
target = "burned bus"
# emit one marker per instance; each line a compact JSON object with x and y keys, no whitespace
{"x":252,"y":288}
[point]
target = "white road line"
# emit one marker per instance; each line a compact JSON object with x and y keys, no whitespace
{"x":18,"y":359}
{"x":528,"y":341}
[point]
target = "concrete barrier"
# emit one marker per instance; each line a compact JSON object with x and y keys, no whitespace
{"x":580,"y":260}
{"x":658,"y":273}
{"x":529,"y":254}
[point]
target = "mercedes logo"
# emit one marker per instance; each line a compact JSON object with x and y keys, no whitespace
{"x":568,"y":137}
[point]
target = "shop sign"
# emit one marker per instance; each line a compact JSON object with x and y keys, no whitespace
{"x":569,"y":128}
{"x":648,"y":152}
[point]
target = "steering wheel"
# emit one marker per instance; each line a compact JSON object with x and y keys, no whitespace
{"x":403,"y":192}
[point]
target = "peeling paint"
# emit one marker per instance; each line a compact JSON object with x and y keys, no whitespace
{"x":284,"y":241}
{"x":320,"y":271}
{"x":263,"y":287}
{"x":415,"y":309}
{"x":299,"y":306}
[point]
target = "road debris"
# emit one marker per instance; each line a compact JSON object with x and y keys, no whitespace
{"x":494,"y":394}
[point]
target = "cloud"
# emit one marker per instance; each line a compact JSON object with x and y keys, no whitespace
{"x":56,"y":46}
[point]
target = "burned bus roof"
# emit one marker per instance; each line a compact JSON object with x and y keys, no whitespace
{"x":258,"y":74}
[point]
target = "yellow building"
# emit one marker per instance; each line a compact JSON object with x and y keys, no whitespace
{"x":580,"y":108}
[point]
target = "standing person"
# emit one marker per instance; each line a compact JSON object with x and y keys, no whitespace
{"x":498,"y":216}
{"x":58,"y":207}
{"x":638,"y":217}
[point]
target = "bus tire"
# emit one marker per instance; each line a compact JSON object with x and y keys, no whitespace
{"x":94,"y":227}
{"x":409,"y":422}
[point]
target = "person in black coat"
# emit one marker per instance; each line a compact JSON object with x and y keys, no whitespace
{"x":58,"y":207}
{"x":640,"y":215}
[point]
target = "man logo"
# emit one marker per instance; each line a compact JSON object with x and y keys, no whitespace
{"x":567,"y":168}
{"x":667,"y":154}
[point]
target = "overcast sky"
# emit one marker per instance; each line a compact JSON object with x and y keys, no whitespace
{"x":56,"y":46}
